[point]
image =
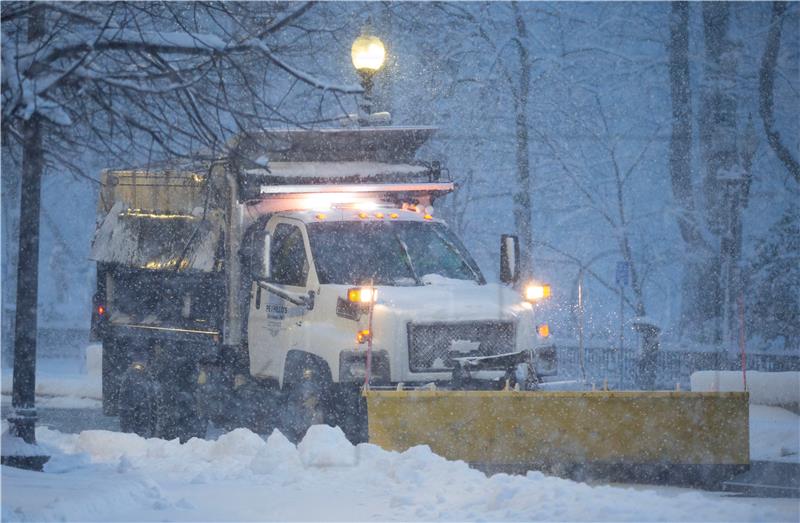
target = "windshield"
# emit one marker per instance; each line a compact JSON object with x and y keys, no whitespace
{"x":389,"y":253}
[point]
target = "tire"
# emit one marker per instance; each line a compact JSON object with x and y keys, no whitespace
{"x":113,"y":370}
{"x":306,"y":403}
{"x":191,"y":424}
{"x":137,"y":405}
{"x":351,"y":412}
{"x":178,"y":415}
{"x":257,"y":406}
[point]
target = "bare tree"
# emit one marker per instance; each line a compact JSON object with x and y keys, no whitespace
{"x":588,"y":172}
{"x":122,"y":75}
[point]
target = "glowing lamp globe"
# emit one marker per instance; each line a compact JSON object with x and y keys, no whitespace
{"x":368,"y":53}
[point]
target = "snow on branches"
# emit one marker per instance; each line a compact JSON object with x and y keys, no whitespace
{"x":111,"y":76}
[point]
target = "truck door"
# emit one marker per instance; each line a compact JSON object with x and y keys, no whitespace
{"x":275,"y":323}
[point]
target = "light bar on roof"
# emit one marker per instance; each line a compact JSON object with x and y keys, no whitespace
{"x":422,"y":187}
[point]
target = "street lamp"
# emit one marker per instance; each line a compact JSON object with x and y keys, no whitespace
{"x":368,"y":54}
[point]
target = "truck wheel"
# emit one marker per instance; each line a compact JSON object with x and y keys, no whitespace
{"x":179,"y":416}
{"x":306,"y":403}
{"x":137,"y":405}
{"x":351,"y":412}
{"x":191,"y":423}
{"x":257,"y":406}
{"x":113,"y":371}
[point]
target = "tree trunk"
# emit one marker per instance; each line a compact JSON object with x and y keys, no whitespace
{"x":766,"y":85}
{"x":10,"y":214}
{"x":708,"y":289}
{"x":699,"y":260}
{"x":680,"y":161}
{"x":23,"y":419}
{"x":522,"y":197}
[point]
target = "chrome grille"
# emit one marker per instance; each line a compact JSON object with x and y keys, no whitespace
{"x":432,"y":346}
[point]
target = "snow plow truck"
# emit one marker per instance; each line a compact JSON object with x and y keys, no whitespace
{"x":304,"y":278}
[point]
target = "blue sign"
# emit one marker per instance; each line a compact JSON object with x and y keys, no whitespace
{"x":623,"y":272}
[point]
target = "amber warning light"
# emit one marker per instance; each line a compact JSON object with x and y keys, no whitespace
{"x":363,"y":336}
{"x":362,"y":294}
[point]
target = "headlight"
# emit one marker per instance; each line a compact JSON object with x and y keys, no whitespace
{"x":537,"y":291}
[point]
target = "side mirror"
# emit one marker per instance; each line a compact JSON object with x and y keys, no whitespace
{"x":260,"y":261}
{"x":509,"y":258}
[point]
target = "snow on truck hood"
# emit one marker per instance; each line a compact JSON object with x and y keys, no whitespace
{"x":444,"y":299}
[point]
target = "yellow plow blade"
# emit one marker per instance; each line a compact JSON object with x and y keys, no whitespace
{"x":507,"y":428}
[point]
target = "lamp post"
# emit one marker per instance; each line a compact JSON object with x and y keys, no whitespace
{"x":22,"y":421}
{"x":368,"y":54}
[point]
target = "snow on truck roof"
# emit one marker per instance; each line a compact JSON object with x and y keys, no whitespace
{"x":315,"y":177}
{"x":375,"y":144}
{"x":292,"y":162}
{"x":300,"y":172}
{"x":265,"y":160}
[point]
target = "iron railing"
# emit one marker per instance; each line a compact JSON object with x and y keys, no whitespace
{"x":604,"y":364}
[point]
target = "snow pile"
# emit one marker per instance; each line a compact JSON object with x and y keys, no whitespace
{"x":766,"y":388}
{"x":15,"y":446}
{"x":104,"y":476}
{"x":774,"y":434}
{"x":324,"y":446}
{"x":278,"y":457}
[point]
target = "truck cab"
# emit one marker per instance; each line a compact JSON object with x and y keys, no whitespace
{"x":348,"y":279}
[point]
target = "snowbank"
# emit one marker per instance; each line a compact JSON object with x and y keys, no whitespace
{"x":65,"y":378}
{"x":14,"y":446}
{"x":774,"y":434}
{"x":105,"y":476}
{"x":76,"y":386}
{"x":766,"y":388}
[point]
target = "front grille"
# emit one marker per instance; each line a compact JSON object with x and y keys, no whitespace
{"x":432,"y":346}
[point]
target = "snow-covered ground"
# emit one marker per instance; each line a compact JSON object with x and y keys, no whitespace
{"x":104,"y":476}
{"x":62,"y":383}
{"x":774,"y":434}
{"x":765,"y":388}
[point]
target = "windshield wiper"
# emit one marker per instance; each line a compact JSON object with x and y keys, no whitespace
{"x":455,"y":250}
{"x":407,"y":258}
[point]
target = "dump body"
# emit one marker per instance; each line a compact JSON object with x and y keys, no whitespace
{"x":522,"y":430}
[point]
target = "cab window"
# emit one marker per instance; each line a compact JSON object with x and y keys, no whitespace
{"x":288,"y":256}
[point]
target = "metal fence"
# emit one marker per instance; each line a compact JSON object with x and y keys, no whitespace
{"x":603,"y":364}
